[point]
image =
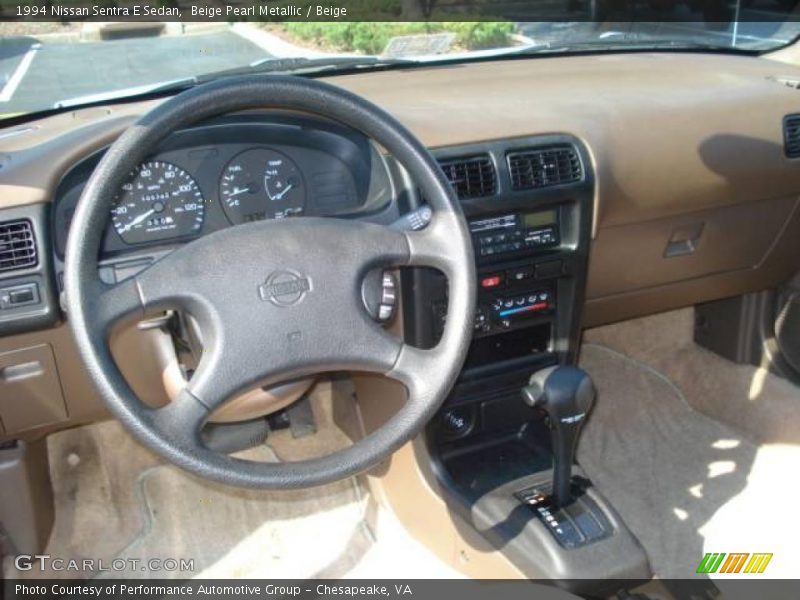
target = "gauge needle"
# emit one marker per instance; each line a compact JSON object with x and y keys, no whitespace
{"x":237,"y":191}
{"x":284,"y":192}
{"x":137,"y":220}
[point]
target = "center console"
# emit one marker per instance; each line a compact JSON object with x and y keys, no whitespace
{"x":529,"y":203}
{"x":530,"y":207}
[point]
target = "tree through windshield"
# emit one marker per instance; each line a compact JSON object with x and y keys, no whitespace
{"x":47,"y":65}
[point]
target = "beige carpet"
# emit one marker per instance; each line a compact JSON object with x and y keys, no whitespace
{"x":107,"y":509}
{"x":764,"y":407}
{"x":684,"y":482}
{"x":116,"y":500}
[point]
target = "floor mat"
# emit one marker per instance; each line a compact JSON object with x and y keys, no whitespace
{"x":684,"y":483}
{"x":116,"y":500}
{"x":764,"y":407}
{"x":246,"y":533}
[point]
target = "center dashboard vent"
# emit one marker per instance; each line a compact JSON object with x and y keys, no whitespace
{"x":544,"y":167}
{"x":17,"y":245}
{"x":471,"y":177}
{"x":791,"y":135}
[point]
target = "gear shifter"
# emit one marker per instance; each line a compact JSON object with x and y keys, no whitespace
{"x":566,"y":394}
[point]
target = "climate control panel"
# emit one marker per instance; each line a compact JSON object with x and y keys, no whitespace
{"x":507,"y":309}
{"x":503,"y":312}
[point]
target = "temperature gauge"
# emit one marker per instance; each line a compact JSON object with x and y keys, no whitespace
{"x":261,"y":184}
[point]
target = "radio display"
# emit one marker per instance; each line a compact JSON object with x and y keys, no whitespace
{"x":540,"y":219}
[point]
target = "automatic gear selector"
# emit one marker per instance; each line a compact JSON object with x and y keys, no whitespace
{"x":566,"y":394}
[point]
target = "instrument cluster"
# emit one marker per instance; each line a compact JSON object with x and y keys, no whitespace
{"x":213,"y":177}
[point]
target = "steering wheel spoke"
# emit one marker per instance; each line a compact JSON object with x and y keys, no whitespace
{"x":114,"y":303}
{"x":181,"y":419}
{"x":432,"y":246}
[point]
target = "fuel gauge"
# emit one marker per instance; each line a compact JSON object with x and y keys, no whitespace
{"x":261,"y":183}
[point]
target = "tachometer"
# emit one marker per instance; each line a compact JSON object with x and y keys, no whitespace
{"x":160,"y":201}
{"x":261,"y":183}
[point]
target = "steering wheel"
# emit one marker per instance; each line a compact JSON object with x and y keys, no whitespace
{"x":274,"y":300}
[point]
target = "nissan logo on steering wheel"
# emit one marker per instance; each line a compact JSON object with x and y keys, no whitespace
{"x":284,"y":288}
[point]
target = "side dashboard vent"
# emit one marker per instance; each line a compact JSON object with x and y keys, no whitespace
{"x":791,"y":135}
{"x":471,"y":177}
{"x":17,"y":245}
{"x":544,"y":167}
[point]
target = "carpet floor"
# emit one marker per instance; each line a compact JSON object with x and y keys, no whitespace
{"x":687,"y":483}
{"x":116,"y":500}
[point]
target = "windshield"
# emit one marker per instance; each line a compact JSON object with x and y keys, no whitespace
{"x":47,"y":65}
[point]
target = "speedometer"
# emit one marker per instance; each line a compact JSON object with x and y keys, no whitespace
{"x":160,"y":201}
{"x":261,"y":183}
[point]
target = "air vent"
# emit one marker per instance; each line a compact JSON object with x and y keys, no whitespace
{"x":17,"y":245}
{"x":471,"y":177}
{"x":791,"y":135}
{"x":544,"y":167}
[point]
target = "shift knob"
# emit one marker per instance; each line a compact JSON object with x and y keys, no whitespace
{"x":566,"y":394}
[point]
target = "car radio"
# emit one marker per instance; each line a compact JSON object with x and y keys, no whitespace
{"x":516,"y":289}
{"x":530,"y":251}
{"x":514,"y":233}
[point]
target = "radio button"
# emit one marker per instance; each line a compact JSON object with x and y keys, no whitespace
{"x":520,"y":273}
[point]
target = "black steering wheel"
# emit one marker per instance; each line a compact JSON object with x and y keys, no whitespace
{"x":227,"y":281}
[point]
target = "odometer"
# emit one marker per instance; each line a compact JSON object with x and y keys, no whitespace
{"x":160,"y":201}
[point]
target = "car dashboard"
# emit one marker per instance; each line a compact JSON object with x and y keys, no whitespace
{"x":597,"y":188}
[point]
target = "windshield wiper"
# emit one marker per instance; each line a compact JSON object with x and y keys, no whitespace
{"x":129,"y":92}
{"x":623,"y":43}
{"x":304,"y":64}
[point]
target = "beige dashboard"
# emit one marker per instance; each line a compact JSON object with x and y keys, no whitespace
{"x":685,"y":147}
